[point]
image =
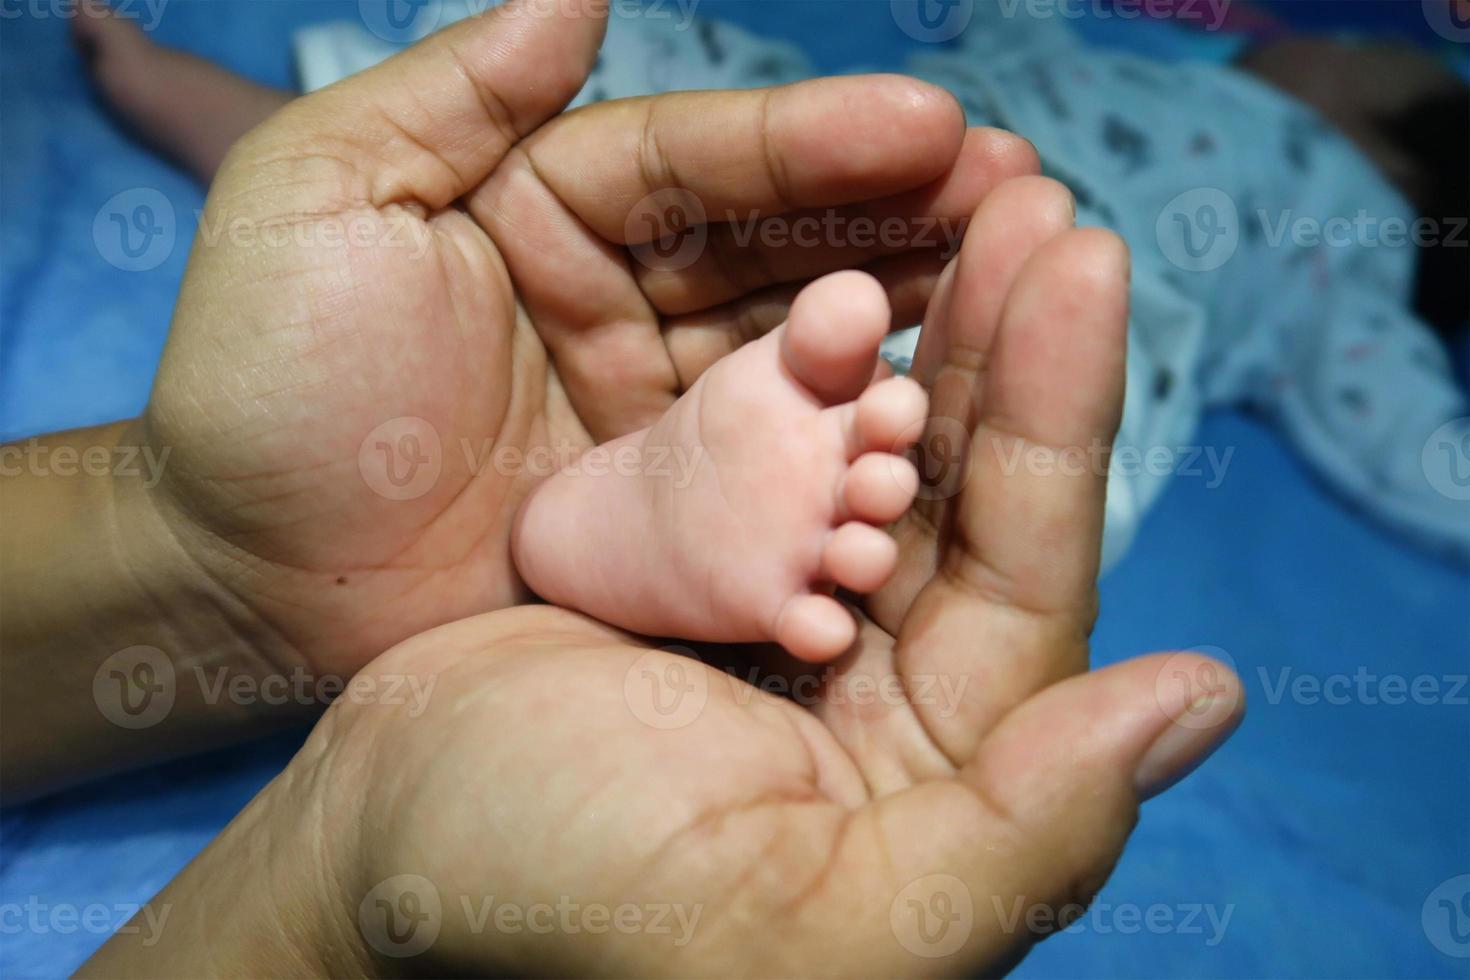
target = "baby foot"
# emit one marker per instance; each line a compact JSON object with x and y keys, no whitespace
{"x":733,"y":517}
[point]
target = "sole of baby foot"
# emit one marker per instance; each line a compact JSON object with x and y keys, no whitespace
{"x":801,"y":469}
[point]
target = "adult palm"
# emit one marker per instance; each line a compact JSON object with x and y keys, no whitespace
{"x":413,"y":294}
{"x":928,"y":805}
{"x":934,"y":803}
{"x":558,"y":798}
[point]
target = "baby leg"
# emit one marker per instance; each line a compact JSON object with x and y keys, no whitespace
{"x":190,"y":110}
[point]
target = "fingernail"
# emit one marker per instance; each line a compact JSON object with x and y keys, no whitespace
{"x":1185,"y":742}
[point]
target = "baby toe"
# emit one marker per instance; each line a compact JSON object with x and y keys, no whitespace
{"x":889,"y":416}
{"x":815,"y":628}
{"x":859,"y":557}
{"x":879,"y":487}
{"x":831,"y":338}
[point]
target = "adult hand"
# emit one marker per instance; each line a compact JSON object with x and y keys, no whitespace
{"x":412,"y":295}
{"x":353,"y":425}
{"x":571,"y":801}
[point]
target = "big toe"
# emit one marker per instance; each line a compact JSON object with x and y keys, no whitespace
{"x":830,"y":341}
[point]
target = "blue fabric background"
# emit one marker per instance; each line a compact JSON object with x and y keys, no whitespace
{"x":1321,"y":828}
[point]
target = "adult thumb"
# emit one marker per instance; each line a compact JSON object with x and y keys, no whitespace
{"x":436,"y":119}
{"x":1068,"y":769}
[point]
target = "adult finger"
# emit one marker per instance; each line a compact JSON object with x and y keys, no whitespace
{"x":816,"y":143}
{"x":1018,"y":560}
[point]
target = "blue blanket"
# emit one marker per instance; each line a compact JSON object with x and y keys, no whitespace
{"x":1306,"y":848}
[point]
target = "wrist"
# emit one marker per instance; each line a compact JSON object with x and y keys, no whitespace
{"x":192,"y":577}
{"x":264,"y":898}
{"x":107,"y":625}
